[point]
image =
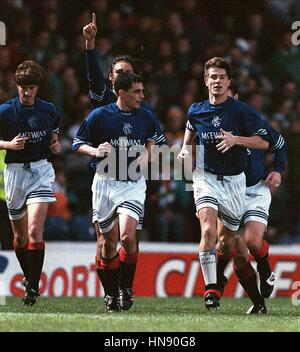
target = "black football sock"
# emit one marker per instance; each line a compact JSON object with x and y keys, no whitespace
{"x":36,"y":254}
{"x":247,"y":279}
{"x":108,"y":273}
{"x":22,"y":256}
{"x":127,"y":268}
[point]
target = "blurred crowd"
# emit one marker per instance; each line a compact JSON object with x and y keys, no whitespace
{"x":173,"y":39}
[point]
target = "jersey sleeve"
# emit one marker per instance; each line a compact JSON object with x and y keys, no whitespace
{"x":57,"y":120}
{"x":279,"y":149}
{"x":152,"y":130}
{"x":190,"y":120}
{"x":159,"y":137}
{"x":95,"y":77}
{"x":252,"y":123}
{"x":84,"y":134}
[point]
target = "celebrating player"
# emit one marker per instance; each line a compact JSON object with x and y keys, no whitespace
{"x":117,"y":202}
{"x":255,"y":220}
{"x":101,"y":95}
{"x":219,"y":180}
{"x":29,"y":129}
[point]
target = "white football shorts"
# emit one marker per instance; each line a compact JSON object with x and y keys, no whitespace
{"x":257,"y":203}
{"x":225,"y":194}
{"x":28,"y":183}
{"x":112,"y":197}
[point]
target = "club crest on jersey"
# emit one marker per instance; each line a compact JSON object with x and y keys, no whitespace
{"x":216,"y":121}
{"x":32,"y":121}
{"x":127,"y":128}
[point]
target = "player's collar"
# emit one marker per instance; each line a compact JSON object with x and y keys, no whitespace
{"x":122,"y":112}
{"x":218,"y":106}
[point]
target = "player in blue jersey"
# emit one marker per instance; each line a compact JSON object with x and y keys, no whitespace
{"x":118,"y":130}
{"x":226,"y":127}
{"x":100,"y":95}
{"x":29,"y":130}
{"x":255,"y":220}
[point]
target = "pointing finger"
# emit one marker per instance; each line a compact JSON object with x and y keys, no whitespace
{"x":94,"y":18}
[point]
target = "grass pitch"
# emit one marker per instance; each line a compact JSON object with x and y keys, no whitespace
{"x":147,"y":315}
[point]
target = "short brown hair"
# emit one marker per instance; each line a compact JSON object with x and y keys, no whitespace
{"x":29,"y":73}
{"x":217,"y":62}
{"x":233,"y":87}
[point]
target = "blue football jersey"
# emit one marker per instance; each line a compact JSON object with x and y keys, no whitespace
{"x":256,"y":169}
{"x":126,"y":131}
{"x":101,"y":95}
{"x":232,"y":116}
{"x":37,"y":123}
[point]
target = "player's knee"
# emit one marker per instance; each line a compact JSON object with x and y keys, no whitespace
{"x":20,"y":241}
{"x":35,"y":232}
{"x":109,"y":244}
{"x":240,"y":259}
{"x":208,"y":233}
{"x":128,"y":242}
{"x":225,"y":245}
{"x":254,"y":244}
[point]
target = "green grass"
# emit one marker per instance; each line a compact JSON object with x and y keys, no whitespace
{"x":147,"y":314}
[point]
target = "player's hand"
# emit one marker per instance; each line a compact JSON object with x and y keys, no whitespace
{"x":18,"y":143}
{"x":183,"y":154}
{"x":55,"y":145}
{"x":273,"y":181}
{"x":228,"y":141}
{"x":90,"y":30}
{"x":103,"y":150}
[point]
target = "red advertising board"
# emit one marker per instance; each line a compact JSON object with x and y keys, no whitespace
{"x":164,"y":269}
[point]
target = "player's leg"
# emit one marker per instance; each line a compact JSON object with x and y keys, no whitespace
{"x":37,"y":213}
{"x":128,"y":259}
{"x":20,"y":242}
{"x":247,"y":277}
{"x":259,"y":248}
{"x":107,"y":263}
{"x":207,"y":255}
{"x":223,"y":258}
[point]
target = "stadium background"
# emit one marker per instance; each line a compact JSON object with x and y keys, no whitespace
{"x":173,"y":39}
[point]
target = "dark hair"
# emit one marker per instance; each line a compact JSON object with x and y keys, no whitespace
{"x":125,"y":80}
{"x":233,"y":87}
{"x":217,"y":62}
{"x":29,"y":73}
{"x":127,"y":58}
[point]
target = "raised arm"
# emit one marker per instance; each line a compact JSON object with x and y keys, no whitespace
{"x":95,"y":77}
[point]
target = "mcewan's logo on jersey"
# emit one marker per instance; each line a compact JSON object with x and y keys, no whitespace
{"x":124,"y":142}
{"x":34,"y":137}
{"x":127,"y":128}
{"x":211,"y":136}
{"x":216,"y":122}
